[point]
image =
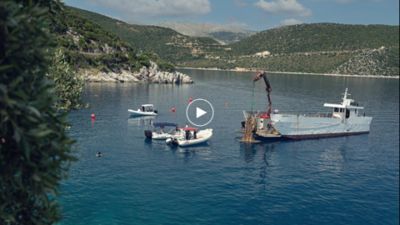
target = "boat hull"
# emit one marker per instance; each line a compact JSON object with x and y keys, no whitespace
{"x":202,"y":138}
{"x":308,"y":127}
{"x":316,"y":136}
{"x":141,"y":113}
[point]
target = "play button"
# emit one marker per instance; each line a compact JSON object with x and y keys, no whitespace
{"x":199,"y":112}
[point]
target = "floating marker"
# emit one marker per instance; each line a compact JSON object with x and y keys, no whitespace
{"x":190,"y":99}
{"x":93,"y":116}
{"x":173,"y":109}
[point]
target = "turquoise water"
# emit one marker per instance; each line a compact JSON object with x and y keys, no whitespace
{"x":348,"y":180}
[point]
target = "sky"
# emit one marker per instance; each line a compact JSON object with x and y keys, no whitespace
{"x":253,"y":15}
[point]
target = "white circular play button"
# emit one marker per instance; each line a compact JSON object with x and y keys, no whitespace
{"x":199,"y":112}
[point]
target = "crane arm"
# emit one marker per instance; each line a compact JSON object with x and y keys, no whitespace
{"x":268,"y":88}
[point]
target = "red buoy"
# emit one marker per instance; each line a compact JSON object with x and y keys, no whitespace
{"x":190,"y":99}
{"x":173,"y":109}
{"x":93,"y":116}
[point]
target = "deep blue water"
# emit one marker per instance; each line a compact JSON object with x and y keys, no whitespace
{"x":348,"y":180}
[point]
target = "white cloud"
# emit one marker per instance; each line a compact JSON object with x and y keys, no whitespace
{"x":288,"y":22}
{"x":149,"y":8}
{"x":284,"y":6}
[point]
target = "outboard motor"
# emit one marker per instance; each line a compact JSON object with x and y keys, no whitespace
{"x":148,"y":134}
{"x":156,"y":111}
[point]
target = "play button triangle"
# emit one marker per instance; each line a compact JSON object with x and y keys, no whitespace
{"x":200,"y":112}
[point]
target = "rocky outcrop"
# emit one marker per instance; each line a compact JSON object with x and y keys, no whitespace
{"x":150,"y":74}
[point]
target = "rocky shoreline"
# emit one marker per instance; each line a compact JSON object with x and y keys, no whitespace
{"x":150,"y":74}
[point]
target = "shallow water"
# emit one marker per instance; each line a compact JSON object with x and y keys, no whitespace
{"x":347,"y":180}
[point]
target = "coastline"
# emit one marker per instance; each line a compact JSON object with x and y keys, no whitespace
{"x":292,"y":73}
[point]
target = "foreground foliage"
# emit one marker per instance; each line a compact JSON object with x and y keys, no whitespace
{"x":35,"y":150}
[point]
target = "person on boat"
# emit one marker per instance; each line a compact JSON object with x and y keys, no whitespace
{"x":195,"y":134}
{"x":143,"y":109}
{"x":187,"y":134}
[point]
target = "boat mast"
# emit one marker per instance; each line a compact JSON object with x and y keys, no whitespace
{"x":345,"y":95}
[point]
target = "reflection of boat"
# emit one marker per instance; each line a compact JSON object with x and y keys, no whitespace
{"x":158,"y":133}
{"x":342,"y":121}
{"x":141,"y":121}
{"x":144,"y":110}
{"x":191,"y":137}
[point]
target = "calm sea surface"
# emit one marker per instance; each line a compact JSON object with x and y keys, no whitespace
{"x":348,"y":180}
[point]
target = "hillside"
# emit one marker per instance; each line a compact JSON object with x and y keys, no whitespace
{"x":100,"y":55}
{"x":312,"y":48}
{"x":318,"y":37}
{"x":165,"y":42}
{"x":315,"y":48}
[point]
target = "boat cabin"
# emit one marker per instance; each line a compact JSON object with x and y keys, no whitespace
{"x":348,"y":108}
{"x":147,"y":108}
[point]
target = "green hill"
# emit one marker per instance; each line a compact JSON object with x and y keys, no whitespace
{"x":315,"y":48}
{"x":87,"y":45}
{"x":319,"y":37}
{"x":165,"y":42}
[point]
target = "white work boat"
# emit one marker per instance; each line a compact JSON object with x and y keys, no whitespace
{"x":163,"y":130}
{"x":191,"y":137}
{"x":144,"y":110}
{"x":344,"y":120}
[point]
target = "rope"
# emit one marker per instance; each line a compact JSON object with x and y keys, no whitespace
{"x":252,"y":97}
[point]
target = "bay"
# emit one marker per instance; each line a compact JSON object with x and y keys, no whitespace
{"x":346,"y":180}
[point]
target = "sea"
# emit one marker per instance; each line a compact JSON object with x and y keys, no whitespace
{"x":345,"y":180}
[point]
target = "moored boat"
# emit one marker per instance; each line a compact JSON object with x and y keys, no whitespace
{"x":345,"y":119}
{"x":144,"y":110}
{"x":191,"y":136}
{"x":160,"y":133}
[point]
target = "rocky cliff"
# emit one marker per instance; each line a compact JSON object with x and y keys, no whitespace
{"x":151,"y":74}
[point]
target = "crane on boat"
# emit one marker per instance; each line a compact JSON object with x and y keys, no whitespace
{"x":268,"y":88}
{"x":250,"y":125}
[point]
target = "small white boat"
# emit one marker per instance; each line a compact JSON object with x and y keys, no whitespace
{"x":144,"y":110}
{"x":191,"y":136}
{"x":160,"y":133}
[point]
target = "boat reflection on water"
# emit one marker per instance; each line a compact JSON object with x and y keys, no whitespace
{"x":259,"y":156}
{"x":141,"y":121}
{"x":203,"y":151}
{"x":250,"y":151}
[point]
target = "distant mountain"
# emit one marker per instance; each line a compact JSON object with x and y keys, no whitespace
{"x":223,"y":33}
